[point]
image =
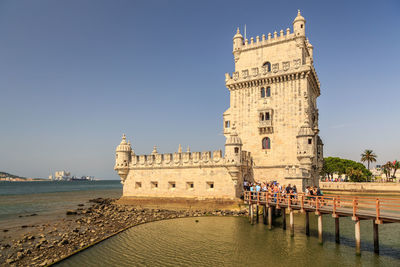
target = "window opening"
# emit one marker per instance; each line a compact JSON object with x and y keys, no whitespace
{"x":268,"y":93}
{"x":262,"y":92}
{"x":266,"y":143}
{"x":267,"y":66}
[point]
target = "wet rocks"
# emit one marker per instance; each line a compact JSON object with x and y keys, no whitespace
{"x":51,"y":241}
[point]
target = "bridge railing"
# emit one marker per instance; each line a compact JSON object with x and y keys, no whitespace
{"x":335,"y":204}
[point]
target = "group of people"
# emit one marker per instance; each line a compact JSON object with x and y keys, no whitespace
{"x":274,"y":189}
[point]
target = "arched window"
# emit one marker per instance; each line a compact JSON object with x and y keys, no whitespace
{"x":236,"y":150}
{"x":261,"y":116}
{"x":266,"y":143}
{"x":267,"y":66}
{"x":262,"y":92}
{"x":268,"y":92}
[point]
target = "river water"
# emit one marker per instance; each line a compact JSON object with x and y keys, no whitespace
{"x":233,"y":241}
{"x":48,"y":200}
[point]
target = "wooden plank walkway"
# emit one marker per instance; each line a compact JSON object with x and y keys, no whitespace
{"x":379,"y":210}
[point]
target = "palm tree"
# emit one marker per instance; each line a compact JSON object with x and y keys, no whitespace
{"x":387,"y":167}
{"x":395,"y":166}
{"x":368,"y":156}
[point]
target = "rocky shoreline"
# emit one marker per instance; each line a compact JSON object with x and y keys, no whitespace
{"x":48,"y":243}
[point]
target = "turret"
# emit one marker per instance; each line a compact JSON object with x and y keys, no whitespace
{"x":306,"y":145}
{"x":237,"y":44}
{"x":299,"y":25}
{"x":123,"y":158}
{"x":233,"y":148}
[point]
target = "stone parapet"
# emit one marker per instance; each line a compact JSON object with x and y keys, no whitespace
{"x":184,"y":159}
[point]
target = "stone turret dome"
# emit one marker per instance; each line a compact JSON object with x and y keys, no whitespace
{"x":299,"y":17}
{"x":233,"y":139}
{"x":305,"y":130}
{"x":237,"y":35}
{"x":124,"y":146}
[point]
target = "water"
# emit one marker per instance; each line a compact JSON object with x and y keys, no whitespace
{"x":48,"y":200}
{"x":232,"y":241}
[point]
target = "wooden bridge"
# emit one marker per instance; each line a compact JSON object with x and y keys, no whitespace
{"x":378,"y":210}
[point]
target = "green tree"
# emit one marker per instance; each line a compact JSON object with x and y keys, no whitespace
{"x":387,"y":168}
{"x":355,"y":175}
{"x":341,"y":166}
{"x":395,"y":166}
{"x":368,"y":156}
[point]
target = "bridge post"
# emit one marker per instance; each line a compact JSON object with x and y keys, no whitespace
{"x":337,"y":236}
{"x":358,"y":237}
{"x":269,"y":217}
{"x":320,"y":228}
{"x":291,"y":222}
{"x":264,"y":214}
{"x":376,"y":237}
{"x":252,"y":214}
{"x":283,"y":218}
{"x":249,"y":211}
{"x":257,"y":213}
{"x":307,"y":224}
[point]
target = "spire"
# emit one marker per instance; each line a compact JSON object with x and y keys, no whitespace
{"x":154,"y":150}
{"x":188,"y":150}
{"x":180,"y":149}
{"x":123,"y":141}
{"x":237,"y":35}
{"x":299,"y":17}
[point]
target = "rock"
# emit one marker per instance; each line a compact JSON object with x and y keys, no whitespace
{"x":81,"y":205}
{"x":9,"y":261}
{"x":33,"y":214}
{"x":24,"y":226}
{"x":71,"y":212}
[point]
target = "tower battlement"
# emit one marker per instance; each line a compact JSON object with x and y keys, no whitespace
{"x":267,"y":40}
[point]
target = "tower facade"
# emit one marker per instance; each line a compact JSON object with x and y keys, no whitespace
{"x":273,"y":105}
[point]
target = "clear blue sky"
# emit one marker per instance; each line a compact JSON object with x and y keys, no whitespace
{"x":75,"y":75}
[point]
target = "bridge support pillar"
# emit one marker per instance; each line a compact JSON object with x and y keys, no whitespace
{"x":307,"y":224}
{"x":337,"y":236}
{"x":291,"y":220}
{"x":249,"y":212}
{"x":270,"y":217}
{"x":320,"y":228}
{"x":257,"y":213}
{"x":283,"y":218}
{"x":252,"y":214}
{"x":265,"y":214}
{"x":376,"y":237}
{"x":358,"y":236}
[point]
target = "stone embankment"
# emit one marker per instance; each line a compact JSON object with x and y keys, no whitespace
{"x":339,"y":187}
{"x":82,"y":228}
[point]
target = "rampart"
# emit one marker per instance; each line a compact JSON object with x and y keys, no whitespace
{"x":185,"y":160}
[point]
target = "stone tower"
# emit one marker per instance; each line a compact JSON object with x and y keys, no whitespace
{"x":122,"y":158}
{"x":273,"y":105}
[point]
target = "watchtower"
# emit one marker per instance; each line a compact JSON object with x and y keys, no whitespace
{"x":273,"y":105}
